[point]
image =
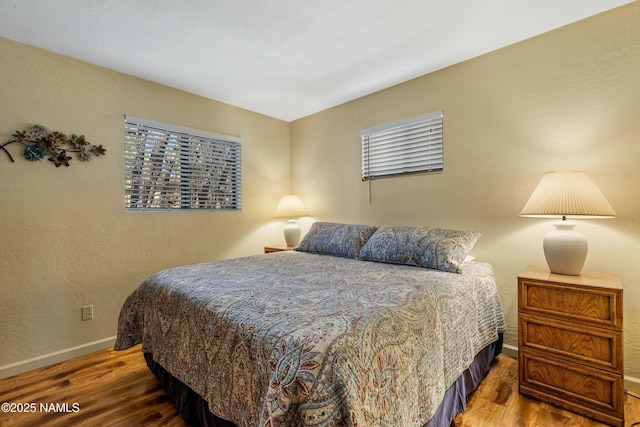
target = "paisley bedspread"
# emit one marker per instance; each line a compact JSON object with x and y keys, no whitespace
{"x":298,"y":339}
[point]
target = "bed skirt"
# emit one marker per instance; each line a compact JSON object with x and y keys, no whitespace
{"x":195,"y":411}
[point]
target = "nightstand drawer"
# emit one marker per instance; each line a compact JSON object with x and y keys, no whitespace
{"x":595,"y":347}
{"x":584,"y":390}
{"x":586,"y":305}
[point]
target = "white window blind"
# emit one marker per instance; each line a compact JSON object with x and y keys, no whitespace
{"x":169,"y":167}
{"x":408,"y":146}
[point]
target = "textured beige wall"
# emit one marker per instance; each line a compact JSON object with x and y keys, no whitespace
{"x":65,"y":238}
{"x":568,"y":99}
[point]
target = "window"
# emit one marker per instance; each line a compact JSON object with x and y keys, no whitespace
{"x":408,"y":146}
{"x":170,"y":168}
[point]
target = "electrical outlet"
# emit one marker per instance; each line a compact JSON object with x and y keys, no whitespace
{"x":87,"y":312}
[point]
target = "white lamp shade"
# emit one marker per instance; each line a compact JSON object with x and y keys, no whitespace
{"x":290,"y":206}
{"x":563,"y":194}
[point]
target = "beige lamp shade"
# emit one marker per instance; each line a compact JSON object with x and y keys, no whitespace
{"x":290,"y":206}
{"x":563,"y":194}
{"x":567,"y":194}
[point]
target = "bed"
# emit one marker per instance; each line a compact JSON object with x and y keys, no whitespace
{"x":360,"y":326}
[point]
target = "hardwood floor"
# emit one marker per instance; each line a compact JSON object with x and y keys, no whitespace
{"x":110,"y":388}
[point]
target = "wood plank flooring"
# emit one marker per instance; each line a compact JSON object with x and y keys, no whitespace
{"x":116,"y":389}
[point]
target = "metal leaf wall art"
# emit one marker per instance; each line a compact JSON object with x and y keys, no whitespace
{"x":39,"y":142}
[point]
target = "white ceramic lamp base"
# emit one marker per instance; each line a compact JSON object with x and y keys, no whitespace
{"x":565,"y":249}
{"x":292,"y":233}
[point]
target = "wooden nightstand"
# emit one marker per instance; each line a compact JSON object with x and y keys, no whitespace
{"x":570,"y":346}
{"x":277,"y":248}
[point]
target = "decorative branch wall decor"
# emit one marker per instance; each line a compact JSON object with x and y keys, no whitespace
{"x":39,"y":143}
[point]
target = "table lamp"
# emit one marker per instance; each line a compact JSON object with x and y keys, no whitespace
{"x":290,"y":206}
{"x":566,"y":194}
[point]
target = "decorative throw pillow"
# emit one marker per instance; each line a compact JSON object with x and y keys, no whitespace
{"x":343,"y":240}
{"x":430,"y":247}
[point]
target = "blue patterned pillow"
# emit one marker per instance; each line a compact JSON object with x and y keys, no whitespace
{"x":430,"y":247}
{"x":343,"y":240}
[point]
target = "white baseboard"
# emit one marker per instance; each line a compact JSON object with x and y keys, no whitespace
{"x":55,"y":357}
{"x":510,"y":350}
{"x":630,"y":383}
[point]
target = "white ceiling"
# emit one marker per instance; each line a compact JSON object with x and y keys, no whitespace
{"x":283,"y":58}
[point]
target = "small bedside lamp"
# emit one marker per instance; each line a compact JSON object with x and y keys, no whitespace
{"x":290,"y":206}
{"x":563,"y":194}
